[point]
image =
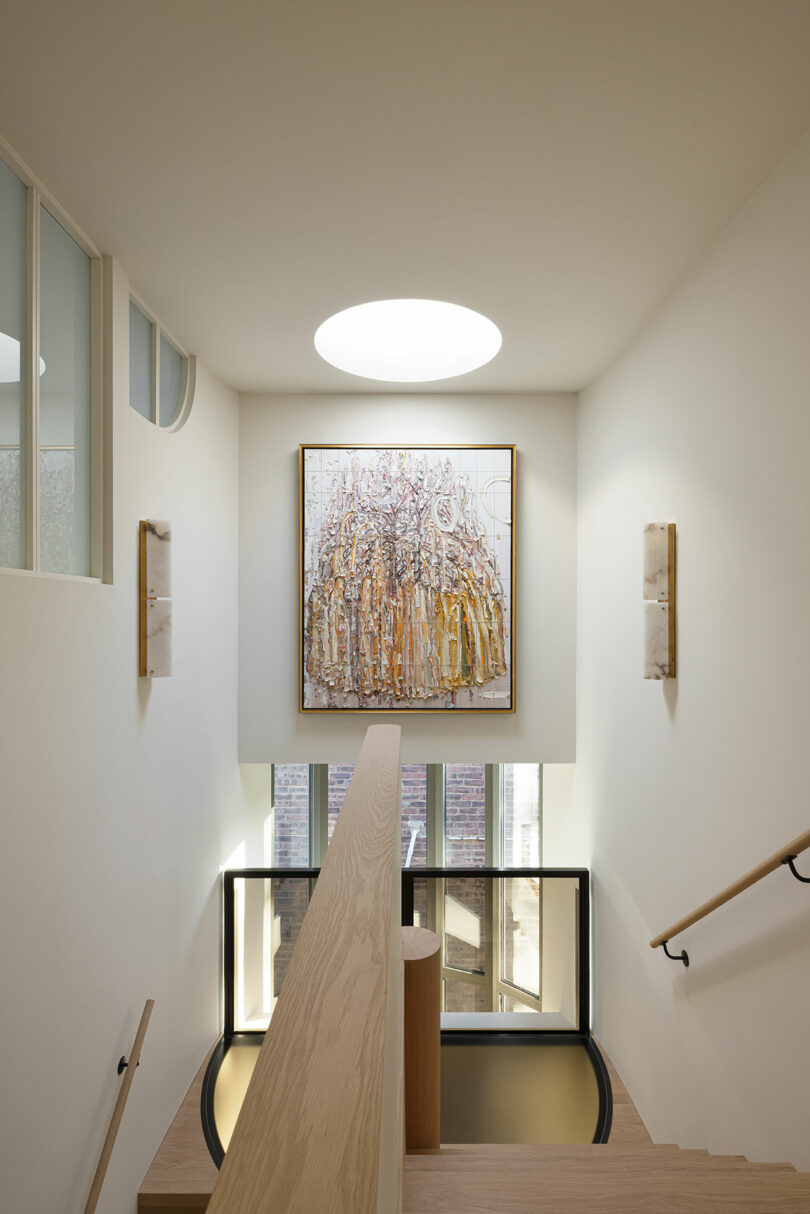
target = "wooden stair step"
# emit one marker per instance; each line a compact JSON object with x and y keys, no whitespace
{"x":595,"y":1180}
{"x":527,"y":1157}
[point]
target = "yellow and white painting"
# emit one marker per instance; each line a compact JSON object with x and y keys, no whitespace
{"x":407,"y":578}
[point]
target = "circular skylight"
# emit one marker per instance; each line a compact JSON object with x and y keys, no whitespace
{"x":10,"y":360}
{"x":407,"y":340}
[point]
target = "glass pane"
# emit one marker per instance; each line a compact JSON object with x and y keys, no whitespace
{"x":290,"y":815}
{"x":340,"y":775}
{"x":12,"y":372}
{"x":464,"y":997}
{"x":140,"y":362}
{"x":290,"y":902}
{"x":520,"y":815}
{"x":414,"y":807}
{"x":509,"y":1003}
{"x":510,"y":945}
{"x":520,"y":934}
{"x":465,"y":815}
{"x":465,"y":923}
{"x":559,"y":925}
{"x":171,"y":375}
{"x":268,"y":913}
{"x":64,"y":404}
{"x":414,"y":815}
{"x":420,"y":911}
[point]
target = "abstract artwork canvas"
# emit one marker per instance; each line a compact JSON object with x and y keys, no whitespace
{"x":407,"y":579}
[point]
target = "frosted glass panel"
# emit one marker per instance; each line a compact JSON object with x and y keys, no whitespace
{"x":64,"y":402}
{"x":171,"y":374}
{"x":12,"y":375}
{"x":140,"y":362}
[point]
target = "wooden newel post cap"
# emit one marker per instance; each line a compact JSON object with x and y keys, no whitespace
{"x":421,"y":953}
{"x":418,"y":943}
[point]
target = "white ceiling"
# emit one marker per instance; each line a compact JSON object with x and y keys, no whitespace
{"x":259,"y":165}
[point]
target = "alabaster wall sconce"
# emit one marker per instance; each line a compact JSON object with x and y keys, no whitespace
{"x":155,"y":599}
{"x":659,"y":601}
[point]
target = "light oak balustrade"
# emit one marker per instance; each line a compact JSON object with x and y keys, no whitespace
{"x":785,"y":854}
{"x":321,"y":1126}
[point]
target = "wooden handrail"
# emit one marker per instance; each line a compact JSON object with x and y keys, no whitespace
{"x":321,"y":1128}
{"x":797,"y":845}
{"x":118,"y":1111}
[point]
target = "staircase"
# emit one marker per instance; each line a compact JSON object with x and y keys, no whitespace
{"x":628,"y":1175}
{"x":642,"y":1179}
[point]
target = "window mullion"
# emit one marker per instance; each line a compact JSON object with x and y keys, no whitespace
{"x":97,"y":564}
{"x":32,"y":382}
{"x":434,"y":815}
{"x":493,"y":828}
{"x":318,"y":812}
{"x":434,"y":826}
{"x":155,"y":374}
{"x":492,"y":942}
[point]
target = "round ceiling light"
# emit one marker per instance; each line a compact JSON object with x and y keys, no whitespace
{"x":408,"y":340}
{"x":10,"y":360}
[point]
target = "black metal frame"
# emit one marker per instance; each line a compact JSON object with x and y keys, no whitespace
{"x":682,"y":956}
{"x":209,"y":1083}
{"x":409,"y":876}
{"x":790,"y":861}
{"x":576,"y":1036}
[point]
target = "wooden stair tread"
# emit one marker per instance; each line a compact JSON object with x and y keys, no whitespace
{"x":627,"y":1126}
{"x":521,"y":1158}
{"x":628,"y":1175}
{"x":182,"y":1174}
{"x":597,"y":1180}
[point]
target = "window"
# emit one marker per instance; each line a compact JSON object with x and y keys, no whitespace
{"x":455,"y":815}
{"x":50,"y":428}
{"x":509,"y":940}
{"x":12,"y":370}
{"x":161,"y":376}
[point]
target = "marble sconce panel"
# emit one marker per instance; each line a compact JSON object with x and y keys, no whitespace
{"x":657,"y":663}
{"x":158,"y":559}
{"x":155,"y":603}
{"x":158,"y":638}
{"x":656,"y":562}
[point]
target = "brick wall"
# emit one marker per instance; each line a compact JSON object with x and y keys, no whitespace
{"x":465,"y":847}
{"x":291,"y":826}
{"x":465,"y":815}
{"x":414,"y":802}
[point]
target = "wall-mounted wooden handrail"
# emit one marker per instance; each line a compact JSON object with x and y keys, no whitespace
{"x":118,"y":1111}
{"x":321,"y":1126}
{"x":792,"y":849}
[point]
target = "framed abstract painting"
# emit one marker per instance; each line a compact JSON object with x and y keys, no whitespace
{"x":407,"y":579}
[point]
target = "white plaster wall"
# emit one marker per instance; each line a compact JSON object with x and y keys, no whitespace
{"x":119,"y":802}
{"x":683,"y":786}
{"x":543,"y":427}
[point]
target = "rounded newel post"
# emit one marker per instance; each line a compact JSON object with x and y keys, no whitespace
{"x":421,"y":952}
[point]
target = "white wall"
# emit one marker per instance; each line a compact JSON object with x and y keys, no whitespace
{"x":705,"y":422}
{"x":543,"y":428}
{"x":120,"y":800}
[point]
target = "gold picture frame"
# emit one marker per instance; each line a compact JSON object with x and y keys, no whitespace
{"x":407,"y":578}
